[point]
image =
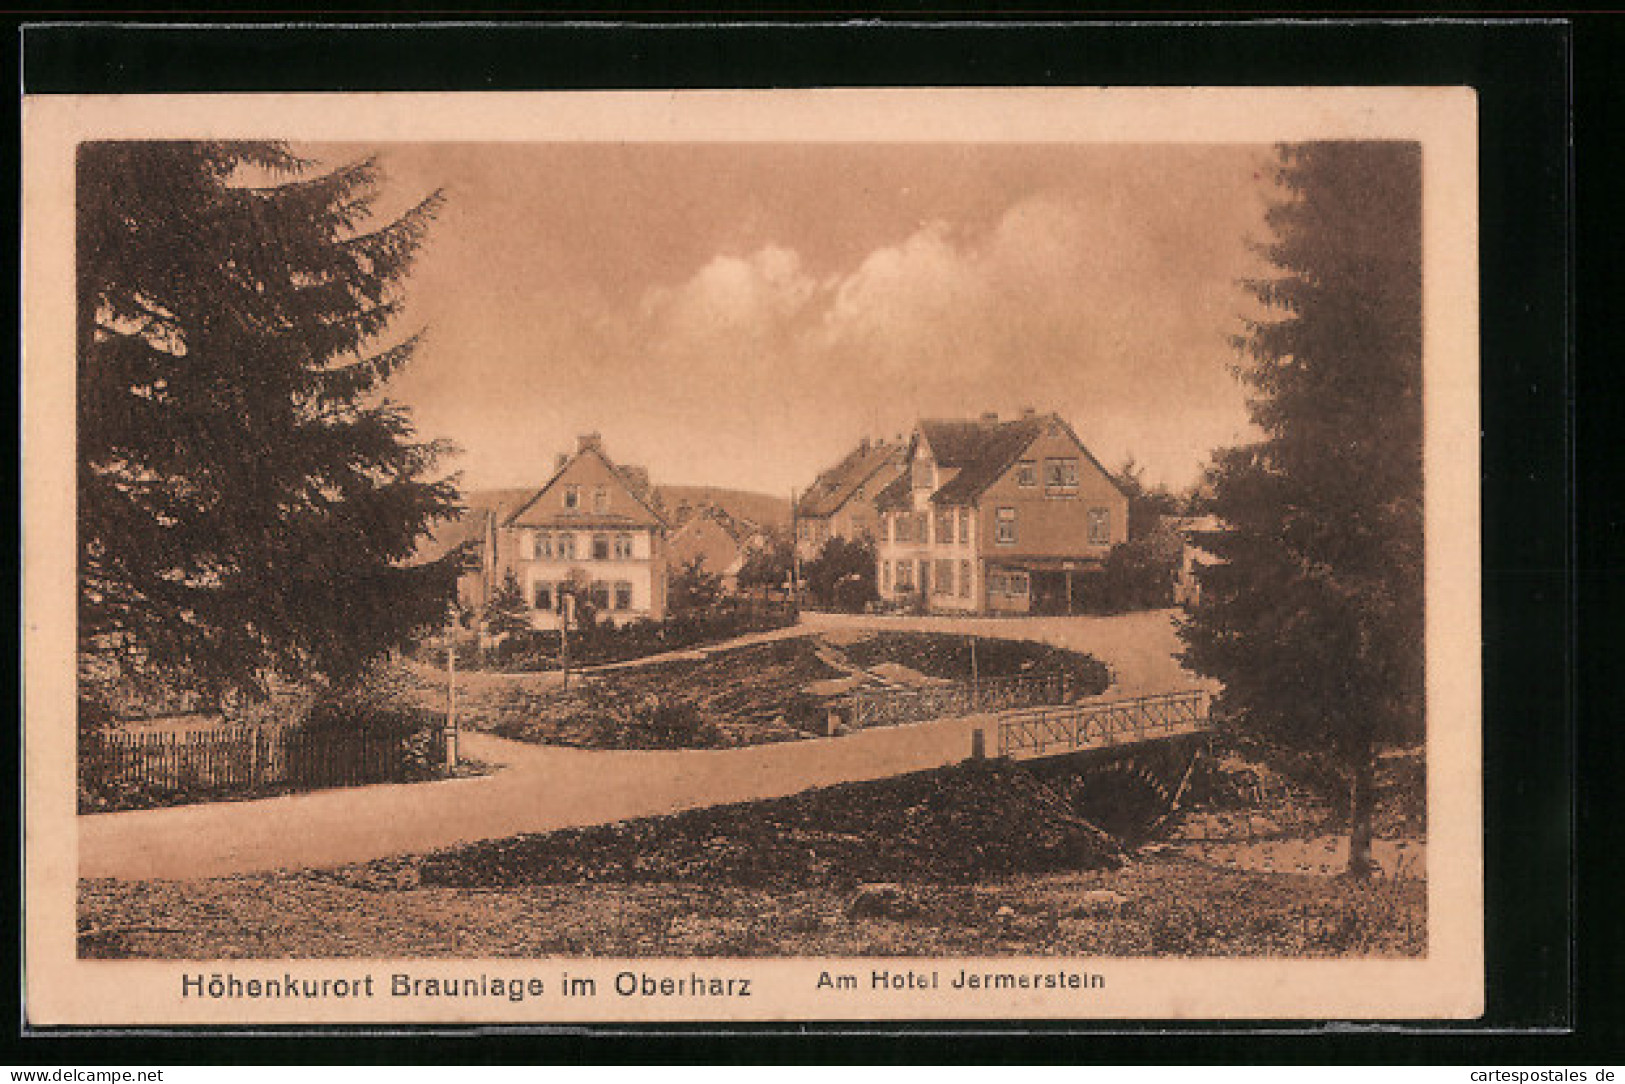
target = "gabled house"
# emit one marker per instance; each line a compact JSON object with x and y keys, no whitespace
{"x":996,"y":516}
{"x":718,"y":539}
{"x":841,"y":501}
{"x":593,"y":527}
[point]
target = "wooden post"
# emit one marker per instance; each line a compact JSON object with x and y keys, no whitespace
{"x":975,"y":677}
{"x":451,"y":689}
{"x":566,"y":611}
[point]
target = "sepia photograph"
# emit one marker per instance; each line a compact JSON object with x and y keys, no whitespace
{"x":752,"y":556}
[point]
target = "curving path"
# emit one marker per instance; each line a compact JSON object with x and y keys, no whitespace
{"x":548,"y":787}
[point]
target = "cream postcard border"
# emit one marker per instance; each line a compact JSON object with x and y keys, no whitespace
{"x":1448,"y":983}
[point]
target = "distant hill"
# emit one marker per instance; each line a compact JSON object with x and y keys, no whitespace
{"x":761,"y":509}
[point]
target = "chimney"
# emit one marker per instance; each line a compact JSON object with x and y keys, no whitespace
{"x":1028,"y":412}
{"x":589,"y":441}
{"x":863,"y":445}
{"x":991,"y":417}
{"x":558,"y":464}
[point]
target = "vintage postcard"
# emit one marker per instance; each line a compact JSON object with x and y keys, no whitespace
{"x":981,"y":554}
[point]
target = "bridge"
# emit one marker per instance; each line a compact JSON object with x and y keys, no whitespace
{"x":1128,"y":762}
{"x":1056,"y":730}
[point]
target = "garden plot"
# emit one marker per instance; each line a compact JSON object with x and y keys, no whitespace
{"x":780,"y":690}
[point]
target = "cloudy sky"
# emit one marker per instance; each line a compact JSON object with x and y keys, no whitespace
{"x":741,"y":315}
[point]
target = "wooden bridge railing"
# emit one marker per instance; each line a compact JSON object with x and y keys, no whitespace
{"x":891,"y":707}
{"x":1093,"y":725}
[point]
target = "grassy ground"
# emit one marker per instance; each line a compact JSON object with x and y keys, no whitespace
{"x":1168,"y":906}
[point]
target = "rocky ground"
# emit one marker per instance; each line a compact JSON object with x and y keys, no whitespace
{"x":922,"y":865}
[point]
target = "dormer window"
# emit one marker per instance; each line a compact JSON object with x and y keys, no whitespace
{"x":572,"y":497}
{"x":925,"y":474}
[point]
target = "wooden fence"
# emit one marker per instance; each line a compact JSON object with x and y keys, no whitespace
{"x":918,"y":703}
{"x":247,"y":759}
{"x":1097,"y":724}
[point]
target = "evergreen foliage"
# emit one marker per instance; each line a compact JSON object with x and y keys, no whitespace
{"x":247,"y":496}
{"x":506,"y":613}
{"x":1314,"y":622}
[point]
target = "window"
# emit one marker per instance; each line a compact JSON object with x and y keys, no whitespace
{"x":1100,"y":526}
{"x":1008,"y":584}
{"x":1027,"y":473}
{"x":600,"y":499}
{"x":885,"y":576}
{"x":572,"y":497}
{"x":599,"y":593}
{"x":922,"y":527}
{"x":541,"y":546}
{"x":567,"y":546}
{"x":1004,"y":529}
{"x":600,"y":547}
{"x":541,"y":596}
{"x":943,"y":578}
{"x":623,"y":547}
{"x":905,"y":524}
{"x":623,"y":595}
{"x":925,"y":474}
{"x":804,"y":531}
{"x":945,"y":525}
{"x":905,"y":575}
{"x":964,"y":526}
{"x":964,"y":579}
{"x":1060,"y":476}
{"x":885,"y":526}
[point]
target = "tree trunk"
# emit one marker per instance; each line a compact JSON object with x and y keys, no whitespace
{"x":1362,"y":808}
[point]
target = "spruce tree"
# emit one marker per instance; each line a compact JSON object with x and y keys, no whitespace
{"x":1314,"y":622}
{"x":248,"y":499}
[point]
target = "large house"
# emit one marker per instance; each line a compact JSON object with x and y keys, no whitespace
{"x":996,"y":516}
{"x":841,"y":501}
{"x":594,"y":528}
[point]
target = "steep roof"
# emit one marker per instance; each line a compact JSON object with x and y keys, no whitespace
{"x":896,"y":494}
{"x":835,"y":486}
{"x":980,"y":450}
{"x":470,"y":525}
{"x":590,"y":464}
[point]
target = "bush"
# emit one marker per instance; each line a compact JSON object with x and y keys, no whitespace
{"x":606,"y":642}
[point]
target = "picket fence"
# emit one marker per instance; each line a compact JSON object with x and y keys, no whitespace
{"x":243,"y":759}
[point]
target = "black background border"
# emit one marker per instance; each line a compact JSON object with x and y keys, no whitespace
{"x":1547,"y":999}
